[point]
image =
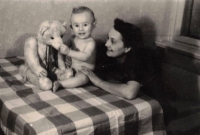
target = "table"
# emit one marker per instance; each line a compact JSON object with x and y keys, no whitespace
{"x":25,"y":109}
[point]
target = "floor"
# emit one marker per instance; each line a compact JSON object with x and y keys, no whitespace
{"x":1,"y":132}
{"x":188,"y":120}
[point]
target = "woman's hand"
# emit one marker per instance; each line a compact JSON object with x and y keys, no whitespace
{"x":93,"y":78}
{"x":127,"y":90}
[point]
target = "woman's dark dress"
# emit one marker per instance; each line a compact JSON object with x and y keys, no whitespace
{"x":144,"y":66}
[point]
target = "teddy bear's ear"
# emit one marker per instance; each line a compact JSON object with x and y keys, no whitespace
{"x":43,"y":29}
{"x":65,"y":25}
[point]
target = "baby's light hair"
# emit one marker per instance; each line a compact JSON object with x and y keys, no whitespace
{"x":82,"y":9}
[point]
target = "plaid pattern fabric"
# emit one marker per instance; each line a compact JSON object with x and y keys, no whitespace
{"x":26,"y":110}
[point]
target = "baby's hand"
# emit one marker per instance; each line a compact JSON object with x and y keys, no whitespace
{"x":65,"y":74}
{"x":64,"y":49}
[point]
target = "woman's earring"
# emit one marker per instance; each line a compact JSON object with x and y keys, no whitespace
{"x":94,"y":23}
{"x":127,"y":49}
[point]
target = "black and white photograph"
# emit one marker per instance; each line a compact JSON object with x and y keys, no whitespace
{"x":99,"y":67}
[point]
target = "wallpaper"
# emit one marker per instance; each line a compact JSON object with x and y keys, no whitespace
{"x":20,"y":19}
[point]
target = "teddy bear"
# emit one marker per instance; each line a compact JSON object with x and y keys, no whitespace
{"x":43,"y":62}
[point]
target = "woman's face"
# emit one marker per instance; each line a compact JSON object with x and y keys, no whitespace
{"x":114,"y":44}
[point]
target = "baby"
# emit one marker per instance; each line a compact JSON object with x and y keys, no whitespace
{"x":83,"y":47}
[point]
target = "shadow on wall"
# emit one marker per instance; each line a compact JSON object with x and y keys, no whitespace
{"x":149,"y":32}
{"x":18,"y":49}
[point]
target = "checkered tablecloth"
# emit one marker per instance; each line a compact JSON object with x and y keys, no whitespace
{"x":27,"y":110}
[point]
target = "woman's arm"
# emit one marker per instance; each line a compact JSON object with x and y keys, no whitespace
{"x":127,"y":90}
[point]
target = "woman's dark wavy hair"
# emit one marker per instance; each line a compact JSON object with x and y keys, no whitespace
{"x":131,"y":35}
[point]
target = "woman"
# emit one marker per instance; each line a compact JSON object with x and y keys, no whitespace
{"x":127,"y":62}
{"x":129,"y":67}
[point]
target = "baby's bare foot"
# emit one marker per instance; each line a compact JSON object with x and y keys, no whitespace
{"x":56,"y":85}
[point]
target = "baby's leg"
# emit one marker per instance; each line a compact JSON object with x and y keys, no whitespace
{"x":63,"y":75}
{"x":79,"y":80}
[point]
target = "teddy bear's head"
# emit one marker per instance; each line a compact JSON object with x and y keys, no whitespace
{"x":51,"y":33}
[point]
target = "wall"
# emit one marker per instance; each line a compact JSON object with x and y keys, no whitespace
{"x":19,"y":19}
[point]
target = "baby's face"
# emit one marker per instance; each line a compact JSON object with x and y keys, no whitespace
{"x":82,"y":24}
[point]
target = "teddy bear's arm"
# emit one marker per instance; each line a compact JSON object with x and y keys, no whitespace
{"x":61,"y":63}
{"x":32,"y":57}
